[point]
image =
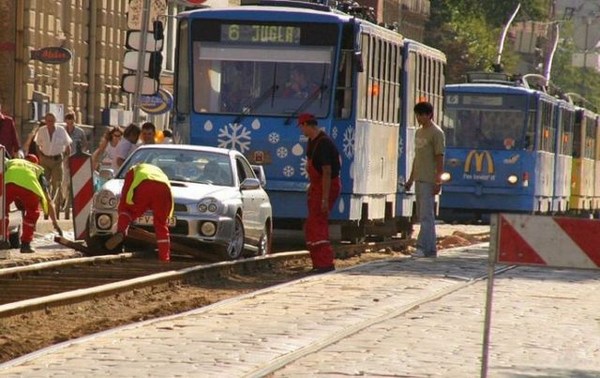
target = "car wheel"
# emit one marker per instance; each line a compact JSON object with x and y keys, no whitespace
{"x":266,"y":242}
{"x":235,"y":248}
{"x":95,"y":245}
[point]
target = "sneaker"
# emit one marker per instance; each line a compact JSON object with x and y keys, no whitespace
{"x":4,"y":244}
{"x":114,"y":241}
{"x":420,"y":254}
{"x":27,"y":248}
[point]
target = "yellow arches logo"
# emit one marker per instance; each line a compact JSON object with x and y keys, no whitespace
{"x":479,"y":157}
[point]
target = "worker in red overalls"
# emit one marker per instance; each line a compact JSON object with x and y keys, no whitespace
{"x":26,"y":185}
{"x":323,"y":167}
{"x":146,"y":187}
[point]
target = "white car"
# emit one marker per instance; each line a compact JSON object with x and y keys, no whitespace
{"x":220,"y":203}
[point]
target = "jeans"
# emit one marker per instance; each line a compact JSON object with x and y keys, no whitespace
{"x":426,"y":241}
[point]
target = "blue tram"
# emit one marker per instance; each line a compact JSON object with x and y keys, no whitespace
{"x":236,"y":71}
{"x":509,"y":148}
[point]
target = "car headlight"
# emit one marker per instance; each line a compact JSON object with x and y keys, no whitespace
{"x":208,"y":228}
{"x":106,"y":199}
{"x":209,"y":205}
{"x":104,"y":222}
{"x":446,"y":176}
{"x":512,"y":179}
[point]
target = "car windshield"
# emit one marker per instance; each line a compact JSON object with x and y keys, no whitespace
{"x":186,"y":165}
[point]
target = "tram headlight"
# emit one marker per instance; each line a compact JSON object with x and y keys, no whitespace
{"x":446,"y":176}
{"x":512,"y":179}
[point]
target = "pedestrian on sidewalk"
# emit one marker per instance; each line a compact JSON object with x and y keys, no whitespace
{"x":146,"y":187}
{"x":426,"y":173}
{"x":148,"y":135}
{"x":26,"y":185}
{"x":8,"y":135}
{"x":323,"y":167}
{"x":127,"y":144}
{"x":54,"y":144}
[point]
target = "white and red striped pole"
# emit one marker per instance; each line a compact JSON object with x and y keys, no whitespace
{"x":82,"y":191}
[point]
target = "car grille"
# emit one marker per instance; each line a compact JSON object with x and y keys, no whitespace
{"x":180,"y":208}
{"x":181,"y":228}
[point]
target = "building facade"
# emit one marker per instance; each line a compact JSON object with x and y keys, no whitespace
{"x":93,"y":31}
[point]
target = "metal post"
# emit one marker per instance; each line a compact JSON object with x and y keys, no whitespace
{"x":139,"y":75}
{"x":492,"y":256}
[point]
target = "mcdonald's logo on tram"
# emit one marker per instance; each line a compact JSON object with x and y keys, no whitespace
{"x":475,"y":163}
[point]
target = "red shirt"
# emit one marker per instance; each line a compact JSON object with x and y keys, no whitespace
{"x":8,"y":135}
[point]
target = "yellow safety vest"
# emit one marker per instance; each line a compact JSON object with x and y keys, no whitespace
{"x":26,"y":175}
{"x":143,"y":172}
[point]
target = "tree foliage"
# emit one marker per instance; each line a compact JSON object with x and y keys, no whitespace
{"x":469,"y":32}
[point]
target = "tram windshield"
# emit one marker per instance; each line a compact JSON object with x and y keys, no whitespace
{"x":262,"y":70}
{"x":484,"y":128}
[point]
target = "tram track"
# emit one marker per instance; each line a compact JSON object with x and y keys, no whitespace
{"x":461,"y":284}
{"x":71,"y":281}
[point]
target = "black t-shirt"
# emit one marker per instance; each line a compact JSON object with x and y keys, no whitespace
{"x":323,"y":151}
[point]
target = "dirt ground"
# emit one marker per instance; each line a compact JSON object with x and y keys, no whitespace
{"x":29,"y":332}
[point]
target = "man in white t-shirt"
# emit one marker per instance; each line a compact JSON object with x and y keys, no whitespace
{"x":53,"y":145}
{"x":128,"y":144}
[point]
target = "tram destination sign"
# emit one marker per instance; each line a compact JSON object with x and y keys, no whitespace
{"x":260,"y":34}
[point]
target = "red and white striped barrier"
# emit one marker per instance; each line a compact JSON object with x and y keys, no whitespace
{"x":546,"y":241}
{"x":82,"y":192}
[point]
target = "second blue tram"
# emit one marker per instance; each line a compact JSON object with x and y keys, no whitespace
{"x":509,"y":149}
{"x":234,"y":67}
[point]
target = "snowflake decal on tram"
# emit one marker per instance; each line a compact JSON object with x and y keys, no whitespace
{"x":235,"y":136}
{"x":348,"y":142}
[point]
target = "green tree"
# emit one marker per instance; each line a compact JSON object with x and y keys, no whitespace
{"x":583,"y":81}
{"x":469,"y":32}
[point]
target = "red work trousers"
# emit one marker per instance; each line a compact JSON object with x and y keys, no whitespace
{"x":155,"y":196}
{"x":31,"y":205}
{"x":317,"y":222}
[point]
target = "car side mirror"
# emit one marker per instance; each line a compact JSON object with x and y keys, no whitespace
{"x":259,"y":171}
{"x":250,"y":184}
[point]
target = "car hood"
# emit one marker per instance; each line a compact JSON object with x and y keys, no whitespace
{"x":183,"y":192}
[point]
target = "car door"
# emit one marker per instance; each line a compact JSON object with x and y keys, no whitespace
{"x":251,"y":200}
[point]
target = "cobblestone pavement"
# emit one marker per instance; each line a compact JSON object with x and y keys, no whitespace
{"x":401,"y":317}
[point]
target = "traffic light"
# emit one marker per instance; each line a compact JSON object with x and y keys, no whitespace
{"x":155,"y":66}
{"x":158,"y":30}
{"x":156,"y":58}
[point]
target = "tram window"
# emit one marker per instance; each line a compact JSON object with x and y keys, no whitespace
{"x":530,"y":134}
{"x":577,"y":146}
{"x":343,"y":95}
{"x":254,"y":80}
{"x":484,"y":129}
{"x":589,"y":138}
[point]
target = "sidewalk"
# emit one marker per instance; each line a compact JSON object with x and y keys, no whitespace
{"x":403,"y":317}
